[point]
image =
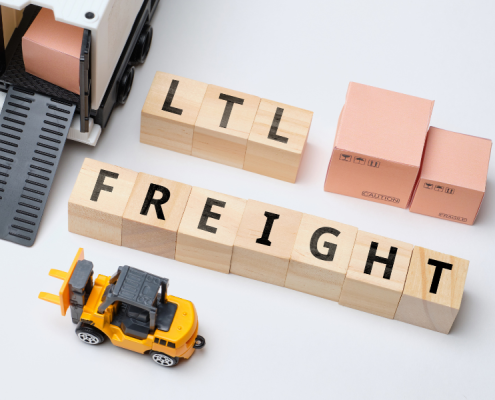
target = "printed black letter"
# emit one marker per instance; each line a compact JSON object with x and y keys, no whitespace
{"x":270,"y":217}
{"x":207,"y":213}
{"x":439,"y":266}
{"x":332,"y":247}
{"x":389,"y":262}
{"x":273,"y":130}
{"x":99,"y":186}
{"x":149,"y":200}
{"x":228,"y":107}
{"x":167,"y":106}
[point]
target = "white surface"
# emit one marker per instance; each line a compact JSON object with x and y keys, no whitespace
{"x":263,"y":341}
{"x":109,"y":28}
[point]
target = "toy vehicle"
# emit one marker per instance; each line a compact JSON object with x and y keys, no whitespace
{"x":131,"y":308}
{"x":117,"y":37}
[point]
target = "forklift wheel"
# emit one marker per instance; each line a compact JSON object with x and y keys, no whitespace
{"x":90,"y":335}
{"x":142,"y":47}
{"x":125,"y":85}
{"x":199,"y":342}
{"x":164,"y":360}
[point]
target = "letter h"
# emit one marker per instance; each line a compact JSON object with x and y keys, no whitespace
{"x":389,"y":262}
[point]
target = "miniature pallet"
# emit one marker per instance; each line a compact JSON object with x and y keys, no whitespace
{"x":225,"y":126}
{"x":268,"y":243}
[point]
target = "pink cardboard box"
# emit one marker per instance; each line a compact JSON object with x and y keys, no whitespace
{"x":453,"y":177}
{"x":51,"y":50}
{"x":378,"y":145}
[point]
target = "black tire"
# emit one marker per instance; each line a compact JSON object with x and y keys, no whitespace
{"x":125,"y":85}
{"x":200,"y":342}
{"x":164,"y":360}
{"x":90,"y":335}
{"x":142,"y":47}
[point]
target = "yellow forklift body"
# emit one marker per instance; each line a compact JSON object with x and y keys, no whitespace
{"x":178,"y":341}
{"x":182,"y":332}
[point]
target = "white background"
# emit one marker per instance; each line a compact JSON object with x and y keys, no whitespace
{"x":265,"y":341}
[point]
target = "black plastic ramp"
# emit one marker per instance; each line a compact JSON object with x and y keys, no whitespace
{"x":33,"y":130}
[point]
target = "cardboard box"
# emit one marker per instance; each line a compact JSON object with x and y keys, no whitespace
{"x":378,"y":145}
{"x":51,"y":50}
{"x":453,"y":177}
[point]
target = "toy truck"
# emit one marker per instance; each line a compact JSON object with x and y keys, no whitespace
{"x":131,"y":308}
{"x":37,"y":116}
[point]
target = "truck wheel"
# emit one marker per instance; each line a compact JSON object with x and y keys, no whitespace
{"x":90,"y":335}
{"x":200,"y":342}
{"x":125,"y":84}
{"x":142,"y":47}
{"x":163,"y":360}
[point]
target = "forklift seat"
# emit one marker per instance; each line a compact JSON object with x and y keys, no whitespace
{"x":134,"y":321}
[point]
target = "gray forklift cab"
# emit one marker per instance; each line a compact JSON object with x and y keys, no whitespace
{"x":142,"y":305}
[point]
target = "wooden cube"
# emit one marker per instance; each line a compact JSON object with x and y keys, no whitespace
{"x":433,"y":291}
{"x":264,"y":242}
{"x":153,"y":215}
{"x":321,"y":255}
{"x":98,"y":201}
{"x":223,"y":126}
{"x":208,"y":229}
{"x":170,"y":111}
{"x":277,"y":140}
{"x":376,"y":274}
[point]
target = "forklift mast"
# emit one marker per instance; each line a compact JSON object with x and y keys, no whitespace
{"x":80,"y":287}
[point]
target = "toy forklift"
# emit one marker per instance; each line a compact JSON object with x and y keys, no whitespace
{"x":131,"y":308}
